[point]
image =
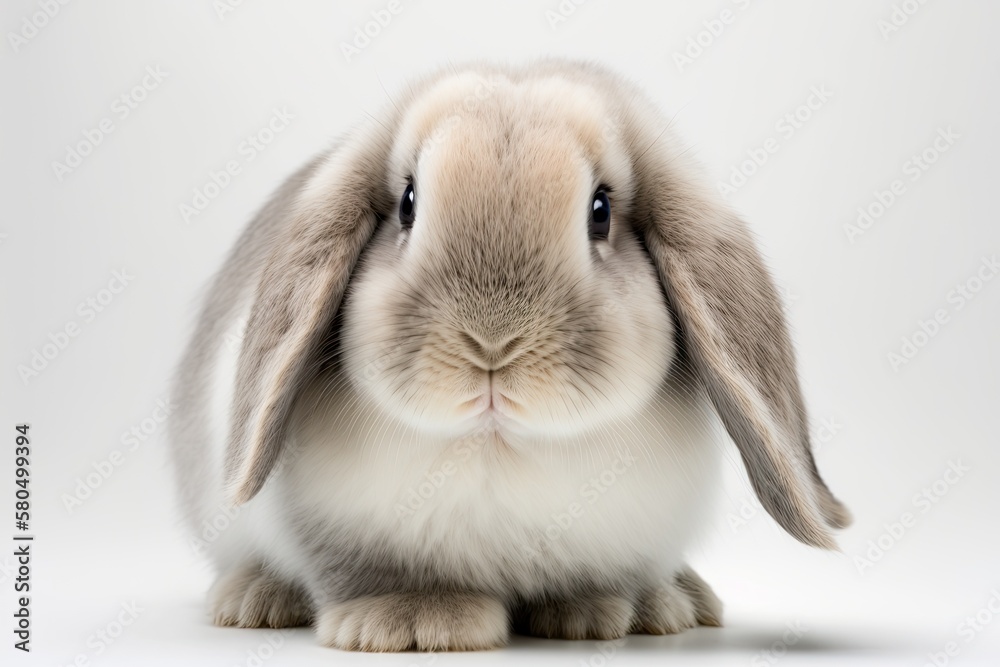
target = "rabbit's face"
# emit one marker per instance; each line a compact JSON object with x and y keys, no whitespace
{"x":504,"y":292}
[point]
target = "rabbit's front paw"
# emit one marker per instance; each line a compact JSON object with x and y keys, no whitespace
{"x":590,"y":617}
{"x":248,"y":596}
{"x":421,"y":621}
{"x":684,"y":602}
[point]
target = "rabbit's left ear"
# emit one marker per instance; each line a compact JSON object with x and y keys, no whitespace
{"x":734,"y":333}
{"x":297,"y":297}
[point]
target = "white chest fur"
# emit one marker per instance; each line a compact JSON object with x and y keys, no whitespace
{"x":632,"y":493}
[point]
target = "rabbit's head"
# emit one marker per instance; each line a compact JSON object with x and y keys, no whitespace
{"x":536,"y":255}
{"x":508,"y":284}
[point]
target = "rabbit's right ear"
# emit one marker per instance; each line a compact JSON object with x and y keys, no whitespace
{"x":300,"y":290}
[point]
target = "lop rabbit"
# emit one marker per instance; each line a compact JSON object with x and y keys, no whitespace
{"x":492,"y":343}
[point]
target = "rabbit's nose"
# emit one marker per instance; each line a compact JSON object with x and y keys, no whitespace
{"x":491,"y":353}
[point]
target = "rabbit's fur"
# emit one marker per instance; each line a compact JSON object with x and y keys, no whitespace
{"x":490,"y":420}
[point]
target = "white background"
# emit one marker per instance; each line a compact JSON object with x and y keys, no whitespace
{"x":850,"y":304}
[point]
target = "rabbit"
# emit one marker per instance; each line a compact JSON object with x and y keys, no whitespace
{"x":472,"y":371}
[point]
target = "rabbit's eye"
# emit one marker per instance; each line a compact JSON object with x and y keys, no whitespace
{"x":407,"y":205}
{"x":600,"y":217}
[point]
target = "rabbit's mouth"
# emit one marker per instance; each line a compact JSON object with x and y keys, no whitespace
{"x":495,"y":410}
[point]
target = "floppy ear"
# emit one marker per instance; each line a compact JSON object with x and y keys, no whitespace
{"x":734,"y":333}
{"x":300,"y":288}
